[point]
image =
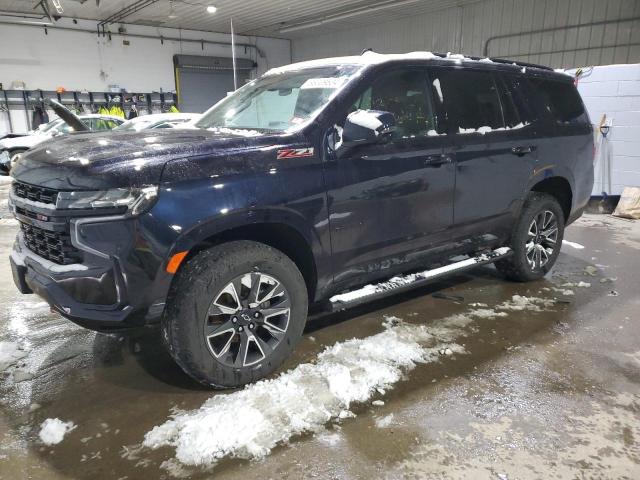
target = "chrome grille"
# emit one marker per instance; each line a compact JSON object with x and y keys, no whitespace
{"x":54,"y":246}
{"x":35,"y":193}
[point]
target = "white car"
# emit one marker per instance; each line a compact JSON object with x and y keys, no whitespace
{"x":158,"y":120}
{"x":11,"y":147}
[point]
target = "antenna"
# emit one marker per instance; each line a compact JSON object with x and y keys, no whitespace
{"x":233,"y":57}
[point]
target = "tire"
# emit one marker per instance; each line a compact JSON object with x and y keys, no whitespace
{"x":203,"y":335}
{"x":538,"y":207}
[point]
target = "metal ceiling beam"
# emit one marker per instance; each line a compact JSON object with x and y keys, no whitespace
{"x":120,"y":15}
{"x":45,"y":9}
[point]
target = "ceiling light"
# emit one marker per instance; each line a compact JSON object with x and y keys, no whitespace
{"x":172,"y":12}
{"x":211,"y":9}
{"x":59,"y":9}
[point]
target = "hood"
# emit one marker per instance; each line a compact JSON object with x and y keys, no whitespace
{"x":24,"y":142}
{"x":68,"y":116}
{"x":12,"y":135}
{"x":90,"y":161}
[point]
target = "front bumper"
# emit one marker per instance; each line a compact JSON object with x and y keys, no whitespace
{"x":119,"y":281}
{"x":34,"y":274}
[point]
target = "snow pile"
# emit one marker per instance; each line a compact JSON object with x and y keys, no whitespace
{"x":384,"y":422}
{"x":250,"y":422}
{"x":53,"y":430}
{"x":519,"y":303}
{"x":572,"y":244}
{"x":580,"y":284}
{"x":487,"y":129}
{"x":10,"y":353}
{"x":364,"y":119}
{"x":8,"y":222}
{"x":486,"y":313}
{"x":564,"y":291}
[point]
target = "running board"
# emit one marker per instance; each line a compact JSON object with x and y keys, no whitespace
{"x":402,"y":283}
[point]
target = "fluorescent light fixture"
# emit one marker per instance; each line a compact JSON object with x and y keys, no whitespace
{"x":59,"y":9}
{"x":172,"y":11}
{"x":212,"y":9}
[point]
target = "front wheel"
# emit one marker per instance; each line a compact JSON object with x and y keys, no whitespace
{"x":235,"y":313}
{"x":535,"y":240}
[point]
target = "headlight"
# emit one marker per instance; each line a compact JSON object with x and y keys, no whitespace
{"x":137,"y":200}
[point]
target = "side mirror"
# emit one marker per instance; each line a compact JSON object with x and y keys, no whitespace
{"x":367,"y":126}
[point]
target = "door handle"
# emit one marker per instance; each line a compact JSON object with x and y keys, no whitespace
{"x":522,"y":150}
{"x":437,"y":160}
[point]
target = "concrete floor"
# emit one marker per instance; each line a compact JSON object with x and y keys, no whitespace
{"x":553,"y":394}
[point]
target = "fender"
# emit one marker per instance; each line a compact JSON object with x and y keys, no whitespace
{"x":211,"y":227}
{"x":551,"y":170}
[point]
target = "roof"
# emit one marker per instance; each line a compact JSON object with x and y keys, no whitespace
{"x":97,"y":115}
{"x":374,"y":58}
{"x":155,"y":117}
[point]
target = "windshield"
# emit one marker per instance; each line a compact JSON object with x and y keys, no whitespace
{"x":132,"y":125}
{"x":48,"y":126}
{"x":278,"y":102}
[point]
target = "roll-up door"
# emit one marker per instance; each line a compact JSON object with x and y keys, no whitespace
{"x":202,"y":81}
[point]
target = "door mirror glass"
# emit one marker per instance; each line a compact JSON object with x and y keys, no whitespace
{"x":368,"y":126}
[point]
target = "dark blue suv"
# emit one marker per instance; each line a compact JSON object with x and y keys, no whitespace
{"x":302,"y":186}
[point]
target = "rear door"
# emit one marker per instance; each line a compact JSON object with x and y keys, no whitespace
{"x":388,"y":202}
{"x":493,"y":147}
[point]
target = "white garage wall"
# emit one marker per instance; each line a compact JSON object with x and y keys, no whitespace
{"x":614,"y":91}
{"x":84,"y":61}
{"x":466,"y":28}
{"x":79,"y":60}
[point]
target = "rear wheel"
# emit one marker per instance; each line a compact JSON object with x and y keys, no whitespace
{"x":536,"y":239}
{"x":235,"y":313}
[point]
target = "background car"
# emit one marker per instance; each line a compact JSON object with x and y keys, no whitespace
{"x":158,"y":120}
{"x":12,"y":147}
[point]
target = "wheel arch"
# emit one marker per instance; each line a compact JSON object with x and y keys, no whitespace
{"x":279,"y":234}
{"x":559,"y":188}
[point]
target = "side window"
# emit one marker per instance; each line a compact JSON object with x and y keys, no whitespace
{"x":509,"y":110}
{"x":519,"y":91}
{"x":403,"y":93}
{"x":561,"y":100}
{"x":102,"y":124}
{"x":470,"y":98}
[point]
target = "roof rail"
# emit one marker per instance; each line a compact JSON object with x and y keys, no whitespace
{"x":505,"y":61}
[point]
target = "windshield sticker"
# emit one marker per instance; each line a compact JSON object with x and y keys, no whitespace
{"x":329,"y":82}
{"x":295,"y":153}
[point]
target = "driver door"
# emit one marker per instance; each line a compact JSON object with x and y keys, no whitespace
{"x":390,"y":202}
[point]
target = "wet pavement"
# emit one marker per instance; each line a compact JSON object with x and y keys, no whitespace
{"x":538,"y":394}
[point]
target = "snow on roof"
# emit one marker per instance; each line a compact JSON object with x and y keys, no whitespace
{"x":373,"y":58}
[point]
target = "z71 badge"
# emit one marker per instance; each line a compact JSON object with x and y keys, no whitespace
{"x":295,"y":153}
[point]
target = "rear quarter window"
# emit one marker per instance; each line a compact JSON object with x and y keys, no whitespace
{"x":561,"y":100}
